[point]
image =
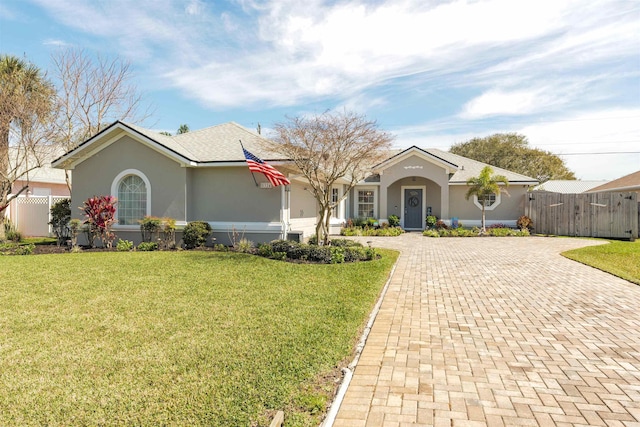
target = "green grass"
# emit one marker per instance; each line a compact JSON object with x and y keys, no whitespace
{"x":620,"y":258}
{"x":181,"y":338}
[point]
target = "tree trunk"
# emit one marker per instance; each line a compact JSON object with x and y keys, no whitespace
{"x":3,"y":235}
{"x":483,"y":229}
{"x":327,"y":225}
{"x":67,"y":179}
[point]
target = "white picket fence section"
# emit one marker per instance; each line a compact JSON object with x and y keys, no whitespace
{"x":31,"y":214}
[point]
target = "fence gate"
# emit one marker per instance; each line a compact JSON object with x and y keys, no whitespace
{"x":609,"y":215}
{"x":31,"y":214}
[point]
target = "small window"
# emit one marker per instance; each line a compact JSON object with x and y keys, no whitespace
{"x":490,"y":202}
{"x":132,"y":200}
{"x":366,"y":204}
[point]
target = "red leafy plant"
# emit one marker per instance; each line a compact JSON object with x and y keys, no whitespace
{"x":100,"y":214}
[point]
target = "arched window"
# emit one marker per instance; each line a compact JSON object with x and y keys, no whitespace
{"x":131,"y":187}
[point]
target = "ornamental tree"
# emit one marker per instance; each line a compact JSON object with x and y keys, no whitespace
{"x":484,"y":186}
{"x":329,"y":149}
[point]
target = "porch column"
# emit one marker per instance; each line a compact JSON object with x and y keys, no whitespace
{"x":444,"y":201}
{"x":382,"y":202}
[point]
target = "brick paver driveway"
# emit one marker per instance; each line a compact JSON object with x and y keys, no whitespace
{"x":498,"y":331}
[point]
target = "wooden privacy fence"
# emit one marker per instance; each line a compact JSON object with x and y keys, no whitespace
{"x":610,"y":214}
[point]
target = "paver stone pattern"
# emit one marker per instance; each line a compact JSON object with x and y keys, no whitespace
{"x":498,"y":332}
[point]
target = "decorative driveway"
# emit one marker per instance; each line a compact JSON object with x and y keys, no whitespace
{"x":498,"y":332}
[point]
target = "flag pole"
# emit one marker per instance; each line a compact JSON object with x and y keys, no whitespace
{"x":252,"y":175}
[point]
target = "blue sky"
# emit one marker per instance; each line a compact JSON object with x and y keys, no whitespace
{"x":433,"y":73}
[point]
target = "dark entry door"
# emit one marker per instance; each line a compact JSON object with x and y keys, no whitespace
{"x":412,"y":208}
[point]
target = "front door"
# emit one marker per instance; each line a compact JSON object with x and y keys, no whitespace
{"x":413,"y":208}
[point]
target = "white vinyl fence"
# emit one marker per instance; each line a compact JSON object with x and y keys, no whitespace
{"x":31,"y":214}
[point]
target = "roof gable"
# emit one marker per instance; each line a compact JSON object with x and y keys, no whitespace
{"x":418,"y":152}
{"x":215,"y":144}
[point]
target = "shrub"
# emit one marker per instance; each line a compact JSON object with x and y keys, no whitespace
{"x":220,"y":247}
{"x":99,"y":212}
{"x":431,"y":221}
{"x":11,"y":233}
{"x":124,"y":245}
{"x":394,"y":220}
{"x":265,"y":250}
{"x":497,"y":225}
{"x":148,"y":246}
{"x":440,"y":225}
{"x":195,"y":234}
{"x":353,"y":231}
{"x":500,"y":231}
{"x":337,"y":254}
{"x":150,"y":228}
{"x":75,"y":225}
{"x":60,"y":217}
{"x":430,"y":233}
{"x":168,"y":233}
{"x":390,"y":231}
{"x":345,"y":243}
{"x":14,"y":236}
{"x":24,"y":249}
{"x":522,"y":233}
{"x":525,"y":223}
{"x":245,"y":246}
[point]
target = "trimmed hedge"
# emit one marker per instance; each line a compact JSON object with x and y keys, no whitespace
{"x":340,"y":251}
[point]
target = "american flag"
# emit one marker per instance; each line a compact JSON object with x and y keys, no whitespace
{"x":256,"y":164}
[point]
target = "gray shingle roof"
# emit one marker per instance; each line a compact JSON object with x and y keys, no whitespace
{"x":219,"y":143}
{"x":468,"y":168}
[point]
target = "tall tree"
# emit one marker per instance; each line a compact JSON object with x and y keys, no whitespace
{"x":484,"y":186}
{"x":511,"y":151}
{"x":92,"y":93}
{"x":331,"y":149}
{"x":26,"y":106}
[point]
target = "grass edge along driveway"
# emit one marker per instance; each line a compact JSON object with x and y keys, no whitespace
{"x":618,"y":257}
{"x":176,"y":338}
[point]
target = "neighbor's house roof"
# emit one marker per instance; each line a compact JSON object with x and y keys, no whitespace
{"x":461,"y":168}
{"x":629,"y":182}
{"x":566,"y":186}
{"x":27,"y":169}
{"x":213,"y":145}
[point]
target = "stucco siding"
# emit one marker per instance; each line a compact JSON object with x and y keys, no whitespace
{"x":96,"y":174}
{"x":510,"y":208}
{"x":430,"y":199}
{"x":229,"y":194}
{"x":425,"y":171}
{"x":303,"y":203}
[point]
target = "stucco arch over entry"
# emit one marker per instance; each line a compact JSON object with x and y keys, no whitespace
{"x":416,"y":169}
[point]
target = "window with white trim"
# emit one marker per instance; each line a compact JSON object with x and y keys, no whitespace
{"x":132,"y":200}
{"x":490,"y":202}
{"x":366,"y":204}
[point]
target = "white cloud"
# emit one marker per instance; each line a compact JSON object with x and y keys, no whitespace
{"x":54,"y":42}
{"x":498,"y":102}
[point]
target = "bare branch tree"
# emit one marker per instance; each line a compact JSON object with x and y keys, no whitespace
{"x":91,"y":95}
{"x":331,"y":149}
{"x":27,"y":102}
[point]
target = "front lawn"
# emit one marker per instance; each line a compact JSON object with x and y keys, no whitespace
{"x":176,"y":338}
{"x":621,"y":258}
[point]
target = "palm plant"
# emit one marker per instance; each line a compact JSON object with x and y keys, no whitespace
{"x":484,"y":186}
